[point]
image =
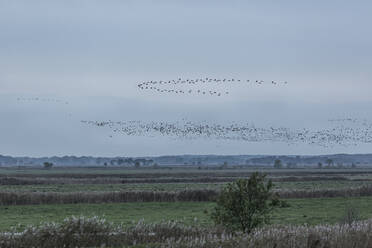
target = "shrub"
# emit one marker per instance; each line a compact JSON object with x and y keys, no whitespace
{"x":48,"y":165}
{"x":278,"y":164}
{"x":246,"y":203}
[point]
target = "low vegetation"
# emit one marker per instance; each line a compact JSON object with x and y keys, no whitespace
{"x":97,"y":232}
{"x":316,"y":199}
{"x":28,"y":198}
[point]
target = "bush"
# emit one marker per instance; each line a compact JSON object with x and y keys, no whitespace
{"x":72,"y":232}
{"x":278,"y":164}
{"x":48,"y":165}
{"x":246,"y":204}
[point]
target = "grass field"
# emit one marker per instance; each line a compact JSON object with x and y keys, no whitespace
{"x":311,"y":211}
{"x":308,"y":185}
{"x":61,"y":180}
{"x":100,"y":187}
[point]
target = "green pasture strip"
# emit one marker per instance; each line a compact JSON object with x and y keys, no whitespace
{"x":307,"y":185}
{"x":311,"y":211}
{"x":128,"y":213}
{"x":109,"y":187}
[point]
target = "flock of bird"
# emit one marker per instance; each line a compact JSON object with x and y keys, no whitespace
{"x":341,"y":134}
{"x":40,"y":99}
{"x":173,"y":86}
{"x":342,"y":131}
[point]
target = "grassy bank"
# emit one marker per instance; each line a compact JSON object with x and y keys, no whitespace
{"x":312,"y":211}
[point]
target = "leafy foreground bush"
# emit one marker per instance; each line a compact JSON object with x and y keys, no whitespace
{"x":96,"y":232}
{"x":246,"y":203}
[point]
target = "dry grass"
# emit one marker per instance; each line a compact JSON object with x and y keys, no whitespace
{"x":118,"y":180}
{"x":21,"y":198}
{"x":326,"y":193}
{"x":96,"y":232}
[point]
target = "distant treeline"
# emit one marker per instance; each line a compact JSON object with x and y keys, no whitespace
{"x":194,"y":160}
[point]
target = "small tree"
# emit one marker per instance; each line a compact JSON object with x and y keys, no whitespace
{"x":320,"y":165}
{"x":246,"y":203}
{"x":278,"y":164}
{"x":48,"y":165}
{"x":223,"y":166}
{"x":137,"y":164}
{"x":329,"y":162}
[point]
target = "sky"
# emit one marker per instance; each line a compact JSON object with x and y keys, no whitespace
{"x":92,"y":54}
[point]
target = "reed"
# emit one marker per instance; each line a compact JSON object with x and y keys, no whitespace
{"x":96,"y":232}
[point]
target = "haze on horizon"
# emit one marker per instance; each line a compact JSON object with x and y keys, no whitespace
{"x":92,"y":54}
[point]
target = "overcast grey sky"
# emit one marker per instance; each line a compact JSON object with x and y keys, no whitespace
{"x":93,"y":53}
